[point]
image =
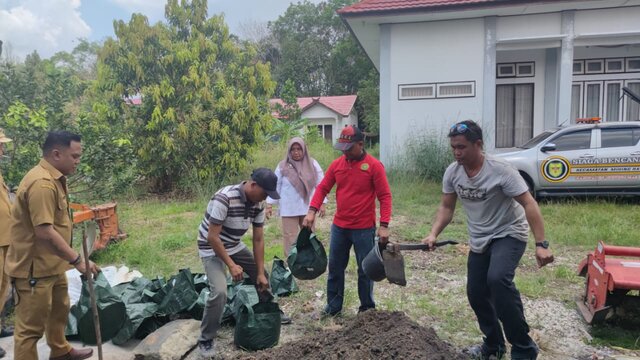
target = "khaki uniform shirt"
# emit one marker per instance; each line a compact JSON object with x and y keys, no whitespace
{"x":5,"y":213}
{"x":41,"y":199}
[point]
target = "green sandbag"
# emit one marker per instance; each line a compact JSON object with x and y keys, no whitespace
{"x":136,"y":314}
{"x":244,"y":294}
{"x":180,"y":294}
{"x":307,"y":259}
{"x":200,"y":282}
{"x":258,"y":326}
{"x":111,"y":311}
{"x":71,"y":330}
{"x":133,"y":292}
{"x":153,"y":291}
{"x":197,"y":309}
{"x":281,"y":280}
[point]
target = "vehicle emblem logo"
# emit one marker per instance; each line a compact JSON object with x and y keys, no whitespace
{"x":555,"y":169}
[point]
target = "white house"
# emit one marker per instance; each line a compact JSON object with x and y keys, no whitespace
{"x":329,"y":113}
{"x":517,"y":67}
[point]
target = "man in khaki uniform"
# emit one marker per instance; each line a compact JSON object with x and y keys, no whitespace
{"x":5,"y":220}
{"x":40,"y":251}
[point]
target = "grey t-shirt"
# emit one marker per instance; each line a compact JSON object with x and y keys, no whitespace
{"x":488,"y":201}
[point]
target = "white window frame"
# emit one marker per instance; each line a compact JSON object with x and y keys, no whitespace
{"x":413,"y":86}
{"x":605,"y":100}
{"x":608,"y":61}
{"x":593,"y":61}
{"x":600,"y":98}
{"x":627,"y":62}
{"x":501,"y":66}
{"x":581,"y":71}
{"x":533,"y":69}
{"x":459,"y":83}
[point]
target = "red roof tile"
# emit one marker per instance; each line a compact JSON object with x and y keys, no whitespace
{"x":382,"y":6}
{"x":340,"y":104}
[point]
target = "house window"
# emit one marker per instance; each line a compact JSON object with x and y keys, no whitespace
{"x":633,"y":64}
{"x":326,"y":131}
{"x":632,"y":108}
{"x":525,"y":69}
{"x":594,"y":66}
{"x":576,"y":101}
{"x":460,"y":89}
{"x":614,"y":65}
{"x":506,"y":70}
{"x":592,"y":99}
{"x":514,"y":114}
{"x":578,"y":67}
{"x":417,"y":91}
{"x":612,"y":103}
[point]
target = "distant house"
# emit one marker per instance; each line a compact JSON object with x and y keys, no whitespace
{"x":517,"y":67}
{"x":133,"y":100}
{"x":329,"y":113}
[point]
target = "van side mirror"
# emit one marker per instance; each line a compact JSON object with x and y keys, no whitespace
{"x":548,"y":147}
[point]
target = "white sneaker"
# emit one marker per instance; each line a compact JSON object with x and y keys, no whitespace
{"x":207,"y":349}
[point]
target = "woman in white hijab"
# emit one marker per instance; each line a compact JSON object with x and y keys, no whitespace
{"x":298,"y":175}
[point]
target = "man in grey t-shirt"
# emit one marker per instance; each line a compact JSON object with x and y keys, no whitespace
{"x":499,"y":211}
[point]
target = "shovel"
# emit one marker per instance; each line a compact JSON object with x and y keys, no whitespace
{"x":394,"y":262}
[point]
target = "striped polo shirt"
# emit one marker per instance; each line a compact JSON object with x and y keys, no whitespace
{"x":230,"y":208}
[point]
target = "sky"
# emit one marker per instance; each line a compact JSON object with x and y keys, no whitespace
{"x":49,"y":26}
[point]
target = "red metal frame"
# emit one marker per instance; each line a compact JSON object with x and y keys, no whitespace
{"x":604,"y":275}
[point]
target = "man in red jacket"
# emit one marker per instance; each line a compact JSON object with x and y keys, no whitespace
{"x":360,"y":179}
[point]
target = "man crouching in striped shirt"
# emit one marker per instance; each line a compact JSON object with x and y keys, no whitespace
{"x":229,"y":214}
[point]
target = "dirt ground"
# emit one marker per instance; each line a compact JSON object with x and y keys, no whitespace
{"x":371,"y":335}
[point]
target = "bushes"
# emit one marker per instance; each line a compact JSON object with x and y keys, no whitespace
{"x":426,"y":156}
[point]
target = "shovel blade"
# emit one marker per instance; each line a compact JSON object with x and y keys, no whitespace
{"x":394,"y":267}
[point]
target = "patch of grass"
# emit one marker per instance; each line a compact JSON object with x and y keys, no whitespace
{"x":616,"y":335}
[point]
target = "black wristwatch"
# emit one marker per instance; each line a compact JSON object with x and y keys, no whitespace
{"x":544,"y":244}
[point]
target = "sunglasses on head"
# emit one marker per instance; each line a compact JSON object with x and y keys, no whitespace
{"x":458,"y":129}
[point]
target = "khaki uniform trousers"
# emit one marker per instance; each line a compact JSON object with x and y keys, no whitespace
{"x":291,"y":226}
{"x":4,"y":278}
{"x":43,"y":311}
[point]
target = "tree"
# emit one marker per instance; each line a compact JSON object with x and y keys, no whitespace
{"x":27,"y":128}
{"x":204,"y":96}
{"x":317,"y":52}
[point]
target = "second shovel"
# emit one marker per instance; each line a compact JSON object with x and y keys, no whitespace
{"x":394,"y":261}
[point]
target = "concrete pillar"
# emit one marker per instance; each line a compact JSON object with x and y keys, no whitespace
{"x":386,"y":146}
{"x":488,"y":121}
{"x":565,"y":73}
{"x":551,"y":83}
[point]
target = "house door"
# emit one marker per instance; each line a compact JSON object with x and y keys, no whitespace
{"x":326,"y":131}
{"x":514,"y":114}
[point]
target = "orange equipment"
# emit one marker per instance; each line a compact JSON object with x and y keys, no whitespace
{"x":591,"y":120}
{"x":107,"y":219}
{"x":610,"y":281}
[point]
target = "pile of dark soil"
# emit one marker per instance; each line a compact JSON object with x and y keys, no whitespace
{"x":371,"y":335}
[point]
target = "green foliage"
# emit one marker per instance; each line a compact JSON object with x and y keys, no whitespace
{"x":27,"y":128}
{"x":39,"y":95}
{"x":311,"y":46}
{"x":204,"y":97}
{"x":425,"y":156}
{"x":369,"y":102}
